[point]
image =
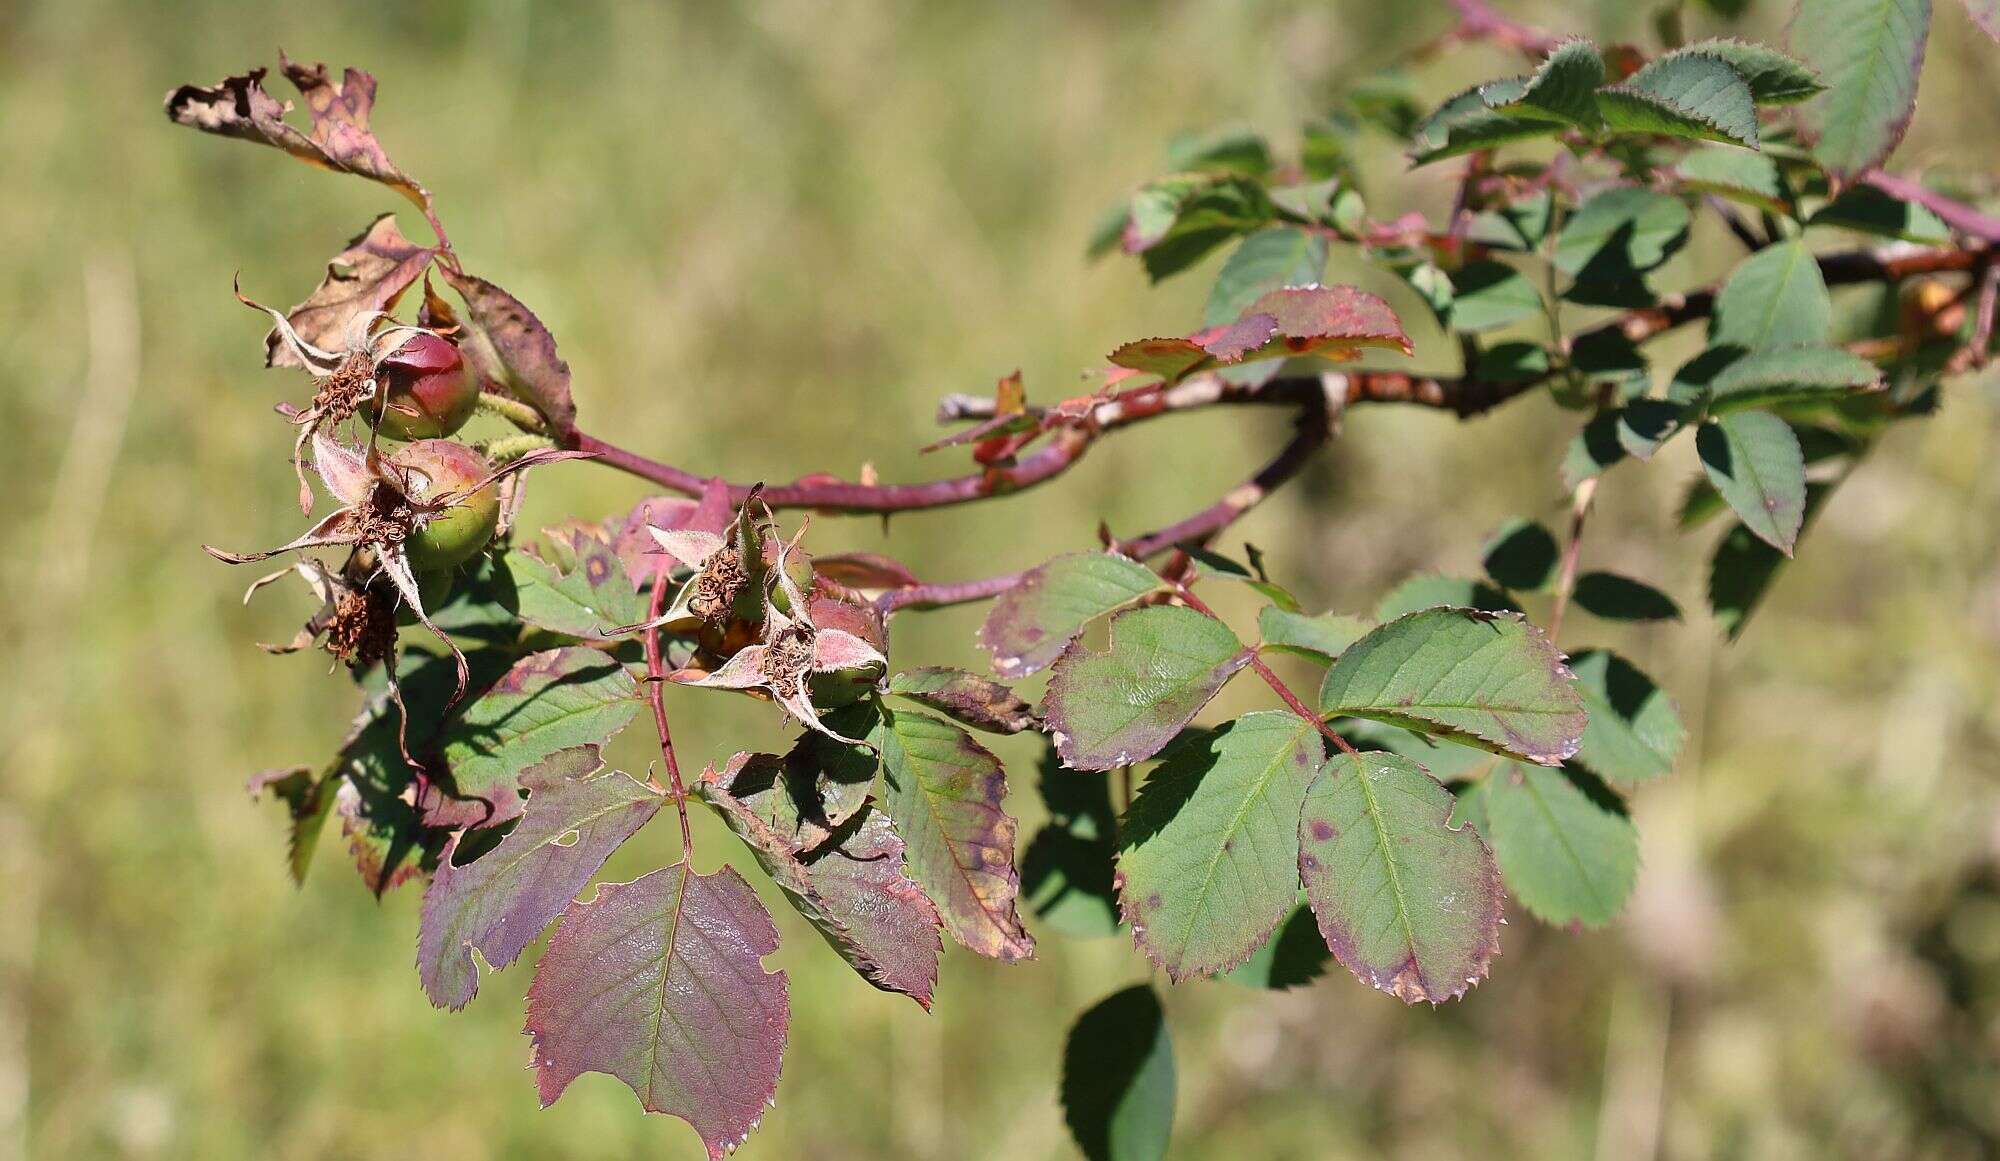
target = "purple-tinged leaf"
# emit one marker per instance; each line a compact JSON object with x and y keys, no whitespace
{"x":850,"y":884}
{"x":1490,"y":680}
{"x":944,"y":792}
{"x":239,"y":107}
{"x":1986,"y":14}
{"x":976,"y":701}
{"x":1869,"y":53}
{"x":511,"y":346}
{"x":660,"y":982}
{"x":368,"y":276}
{"x":1408,"y":904}
{"x":1331,"y":322}
{"x":500,"y":903}
{"x":865,"y":570}
{"x":1209,"y":851}
{"x":1032,"y":623}
{"x":548,"y":701}
{"x":1121,"y":706}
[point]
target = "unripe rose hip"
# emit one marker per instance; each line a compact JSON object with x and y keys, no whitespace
{"x":455,"y":535}
{"x":428,"y":389}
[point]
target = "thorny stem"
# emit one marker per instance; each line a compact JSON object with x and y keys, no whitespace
{"x":656,"y":677}
{"x":1270,"y":677}
{"x":1466,"y":395}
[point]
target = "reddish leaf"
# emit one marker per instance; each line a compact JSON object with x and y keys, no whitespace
{"x":978,"y":702}
{"x":501,"y":902}
{"x":340,"y":140}
{"x":1409,"y":904}
{"x":849,"y":884}
{"x":1031,"y":623}
{"x":1330,"y":322}
{"x":660,"y":982}
{"x":370,"y":275}
{"x":513,"y":348}
{"x":944,"y":792}
{"x":865,"y":570}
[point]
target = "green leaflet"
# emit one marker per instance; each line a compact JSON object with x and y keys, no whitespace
{"x":1208,"y":858}
{"x":1868,"y":52}
{"x":1684,"y":94}
{"x":1621,"y":231}
{"x":1774,"y":298}
{"x":1773,"y":77}
{"x":1319,"y":638}
{"x":1066,"y":872}
{"x":1620,"y":598}
{"x":1487,"y":295}
{"x":1787,"y":372}
{"x":1031,"y":623}
{"x":1566,"y":857}
{"x":1634,"y":733}
{"x":1118,"y":1079}
{"x":1753,"y":459}
{"x":1408,"y":904}
{"x":1490,"y":680}
{"x":1122,"y":705}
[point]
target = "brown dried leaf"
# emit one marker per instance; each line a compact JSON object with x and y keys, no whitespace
{"x":510,"y":346}
{"x":370,"y":275}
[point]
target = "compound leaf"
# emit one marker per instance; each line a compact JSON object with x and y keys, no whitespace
{"x":500,"y":903}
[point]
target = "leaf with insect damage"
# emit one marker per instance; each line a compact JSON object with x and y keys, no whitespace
{"x":1208,"y":861}
{"x":1118,"y":1078}
{"x":340,"y":140}
{"x":660,"y":982}
{"x":1032,"y":623}
{"x":546,"y":702}
{"x":979,"y":702}
{"x":499,"y":903}
{"x":508,"y":345}
{"x":944,"y":791}
{"x":1122,"y":705}
{"x":1408,"y":903}
{"x":1331,"y":322}
{"x":370,"y":275}
{"x":1490,"y":680}
{"x":849,"y":883}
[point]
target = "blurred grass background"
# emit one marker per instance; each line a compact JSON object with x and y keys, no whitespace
{"x":769,"y":235}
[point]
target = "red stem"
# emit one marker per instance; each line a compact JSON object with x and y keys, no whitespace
{"x":1271,"y":679}
{"x":656,"y":677}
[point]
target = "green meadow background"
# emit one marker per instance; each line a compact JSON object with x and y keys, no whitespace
{"x":769,"y":236}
